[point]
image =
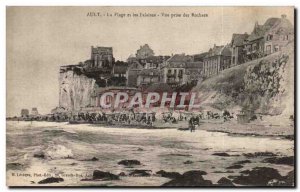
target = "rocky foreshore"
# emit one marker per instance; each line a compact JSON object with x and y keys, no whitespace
{"x":256,"y":176}
{"x":146,"y":157}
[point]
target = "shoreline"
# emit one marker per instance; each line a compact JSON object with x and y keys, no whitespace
{"x":230,"y":128}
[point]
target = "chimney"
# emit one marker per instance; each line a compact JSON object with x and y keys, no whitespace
{"x":283,"y":16}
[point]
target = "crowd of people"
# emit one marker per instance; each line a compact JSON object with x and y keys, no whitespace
{"x":128,"y":117}
{"x":137,"y":118}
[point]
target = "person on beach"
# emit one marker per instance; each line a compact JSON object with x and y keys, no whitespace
{"x":191,"y":124}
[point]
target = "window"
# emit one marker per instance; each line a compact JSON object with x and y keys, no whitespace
{"x":269,"y":37}
{"x":276,"y":48}
{"x":180,"y":73}
{"x":268,"y":49}
{"x":254,"y":47}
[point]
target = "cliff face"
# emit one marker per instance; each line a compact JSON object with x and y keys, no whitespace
{"x":75,"y":90}
{"x":265,"y":86}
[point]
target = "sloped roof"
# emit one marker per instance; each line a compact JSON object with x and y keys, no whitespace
{"x":178,"y":61}
{"x":120,"y":68}
{"x":150,"y":72}
{"x":271,"y":22}
{"x":271,"y":25}
{"x":258,"y":32}
{"x":154,"y":59}
{"x":180,"y":58}
{"x":199,"y":57}
{"x":282,"y":27}
{"x":238,"y":39}
{"x":135,"y":66}
{"x":192,"y":65}
{"x":218,"y":50}
{"x":159,"y":87}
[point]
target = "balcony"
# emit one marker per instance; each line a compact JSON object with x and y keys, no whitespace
{"x":170,"y":75}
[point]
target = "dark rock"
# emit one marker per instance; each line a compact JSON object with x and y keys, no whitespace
{"x":122,"y":174}
{"x":51,"y":180}
{"x":171,"y":175}
{"x":276,"y":182}
{"x":68,"y":157}
{"x":73,"y":164}
{"x":104,"y":175}
{"x":92,"y":159}
{"x":140,"y":149}
{"x":237,"y":166}
{"x":183,"y":129}
{"x":258,"y":176}
{"x":85,"y":179}
{"x":221,"y":154}
{"x":290,"y":137}
{"x":14,"y":166}
{"x":225,"y":182}
{"x":188,"y":162}
{"x":259,"y":154}
{"x":39,"y":155}
{"x":194,"y":173}
{"x":242,"y":162}
{"x":177,"y":154}
{"x":140,"y":173}
{"x":280,"y":160}
{"x":290,"y":178}
{"x":190,"y":178}
{"x":129,"y":162}
{"x":228,"y":171}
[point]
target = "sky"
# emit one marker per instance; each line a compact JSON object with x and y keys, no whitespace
{"x":41,"y":39}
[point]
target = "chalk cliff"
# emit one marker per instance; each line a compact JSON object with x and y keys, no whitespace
{"x":75,"y":90}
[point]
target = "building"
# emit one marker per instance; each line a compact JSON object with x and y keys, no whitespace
{"x":148,"y":76}
{"x":144,"y":68}
{"x":194,"y":71}
{"x":217,"y":59}
{"x":173,"y":70}
{"x":181,"y":69}
{"x":24,"y":113}
{"x":279,"y":35}
{"x":199,"y":57}
{"x":34,"y":111}
{"x":237,"y":48}
{"x":119,"y":69}
{"x":269,"y":37}
{"x":132,"y":73}
{"x":144,"y":52}
{"x":101,"y":60}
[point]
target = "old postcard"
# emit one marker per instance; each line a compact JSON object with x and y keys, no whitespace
{"x":150,"y":96}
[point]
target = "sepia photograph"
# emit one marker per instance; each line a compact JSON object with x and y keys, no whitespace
{"x":150,"y":96}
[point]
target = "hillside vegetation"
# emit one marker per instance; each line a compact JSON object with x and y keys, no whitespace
{"x":265,"y":86}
